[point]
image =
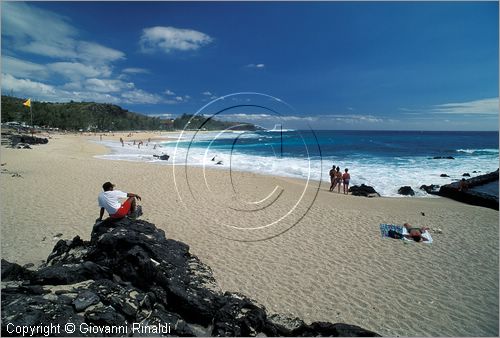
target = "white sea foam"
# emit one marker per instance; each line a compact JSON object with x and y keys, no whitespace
{"x":478,"y":151}
{"x":385,"y":176}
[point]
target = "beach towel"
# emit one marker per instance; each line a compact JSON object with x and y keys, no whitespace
{"x":393,"y":230}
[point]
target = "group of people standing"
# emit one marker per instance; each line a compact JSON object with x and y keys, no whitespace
{"x":337,"y":178}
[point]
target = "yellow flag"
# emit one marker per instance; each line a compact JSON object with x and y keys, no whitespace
{"x":27,"y":103}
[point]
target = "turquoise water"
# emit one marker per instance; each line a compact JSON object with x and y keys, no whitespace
{"x":385,"y":160}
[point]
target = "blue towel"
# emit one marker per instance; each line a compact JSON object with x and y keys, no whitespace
{"x":385,"y":228}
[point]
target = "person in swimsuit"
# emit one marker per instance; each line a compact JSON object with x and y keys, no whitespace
{"x":463,"y":186}
{"x":415,"y":233}
{"x":346,"y":177}
{"x":338,"y":179}
{"x":332,"y":177}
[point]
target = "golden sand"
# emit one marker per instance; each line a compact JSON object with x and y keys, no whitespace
{"x":297,"y":249}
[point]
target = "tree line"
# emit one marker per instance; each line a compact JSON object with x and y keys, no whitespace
{"x":91,"y":116}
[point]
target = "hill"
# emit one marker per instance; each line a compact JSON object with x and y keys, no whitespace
{"x":102,"y":116}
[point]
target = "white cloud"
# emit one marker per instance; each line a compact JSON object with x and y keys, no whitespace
{"x":169,"y":92}
{"x":207,"y":93}
{"x":140,"y":96}
{"x":253,"y":65}
{"x":90,"y":90}
{"x":93,"y":52}
{"x":27,"y":86}
{"x":74,"y":85}
{"x":107,"y":86}
{"x":164,"y":115}
{"x":179,"y":99}
{"x":21,"y":68}
{"x":77,"y":70}
{"x":351,"y":118}
{"x":87,"y":66}
{"x":34,"y":30}
{"x":317,"y":121}
{"x":64,"y":96}
{"x":169,"y":39}
{"x":133,"y":70}
{"x":484,"y":106}
{"x":71,"y":70}
{"x":54,"y":49}
{"x":45,"y":92}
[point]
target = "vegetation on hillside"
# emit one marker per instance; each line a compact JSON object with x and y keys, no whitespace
{"x":76,"y":115}
{"x":91,"y":116}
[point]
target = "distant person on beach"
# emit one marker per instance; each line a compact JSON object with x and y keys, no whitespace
{"x":346,"y":178}
{"x":415,"y":233}
{"x":338,"y":179}
{"x":332,"y":177}
{"x":463,"y":186}
{"x":109,"y":200}
{"x":121,"y":141}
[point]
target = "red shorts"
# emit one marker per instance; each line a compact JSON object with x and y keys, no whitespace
{"x":124,"y":209}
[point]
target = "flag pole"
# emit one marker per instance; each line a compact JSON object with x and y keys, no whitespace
{"x":31,"y":113}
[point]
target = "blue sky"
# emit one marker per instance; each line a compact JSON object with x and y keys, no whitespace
{"x":340,"y":65}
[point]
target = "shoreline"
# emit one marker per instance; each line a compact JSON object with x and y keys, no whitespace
{"x":116,"y":153}
{"x":330,"y":265}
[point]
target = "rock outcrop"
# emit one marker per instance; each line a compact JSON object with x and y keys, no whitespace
{"x":469,"y":196}
{"x":363,"y":190}
{"x":443,"y":158}
{"x":16,"y":140}
{"x":130,"y":280}
{"x":163,"y":157}
{"x":406,"y":191}
{"x":430,"y":189}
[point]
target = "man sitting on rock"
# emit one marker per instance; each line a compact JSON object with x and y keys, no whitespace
{"x":109,"y":199}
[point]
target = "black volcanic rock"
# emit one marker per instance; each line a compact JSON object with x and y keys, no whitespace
{"x":163,"y":157}
{"x":430,"y":189}
{"x":239,"y":316}
{"x":466,"y":175}
{"x":363,"y":190}
{"x":26,"y":139}
{"x":443,"y":175}
{"x":129,"y":272}
{"x":13,"y":271}
{"x":443,"y":158}
{"x":469,"y":196}
{"x":406,"y":190}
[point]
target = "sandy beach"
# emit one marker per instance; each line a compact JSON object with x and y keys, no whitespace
{"x":287,"y":243}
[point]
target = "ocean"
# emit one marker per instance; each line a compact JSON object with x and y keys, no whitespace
{"x":385,"y":160}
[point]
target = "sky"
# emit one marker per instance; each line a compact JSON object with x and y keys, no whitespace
{"x":337,"y":65}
